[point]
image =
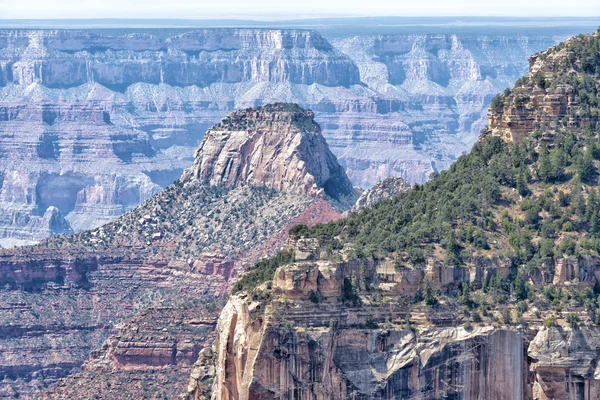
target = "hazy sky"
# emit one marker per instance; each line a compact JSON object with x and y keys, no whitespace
{"x":273,"y":9}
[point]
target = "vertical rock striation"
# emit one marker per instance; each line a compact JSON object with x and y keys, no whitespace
{"x":279,"y":146}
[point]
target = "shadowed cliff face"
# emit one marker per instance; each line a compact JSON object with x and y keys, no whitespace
{"x":113,"y":119}
{"x":169,"y":259}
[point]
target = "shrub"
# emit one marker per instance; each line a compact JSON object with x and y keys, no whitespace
{"x":550,"y":322}
{"x":262,"y":271}
{"x":349,"y":293}
{"x":573,"y":320}
{"x":313,"y":297}
{"x":371,"y":323}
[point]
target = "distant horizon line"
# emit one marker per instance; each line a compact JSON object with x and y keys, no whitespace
{"x":289,"y":18}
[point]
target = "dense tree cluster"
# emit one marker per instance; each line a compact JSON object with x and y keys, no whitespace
{"x":262,"y":271}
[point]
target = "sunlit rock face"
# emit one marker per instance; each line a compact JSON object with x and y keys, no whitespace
{"x":94,"y":124}
{"x":297,"y":338}
{"x":385,"y":189}
{"x":279,"y":146}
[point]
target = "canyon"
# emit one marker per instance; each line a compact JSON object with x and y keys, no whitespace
{"x":420,"y":296}
{"x":381,"y":303}
{"x":150,"y":284}
{"x":93,"y":123}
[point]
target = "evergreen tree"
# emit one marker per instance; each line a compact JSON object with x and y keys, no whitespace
{"x":547,"y":248}
{"x":578,"y":203}
{"x":563,"y":199}
{"x":517,"y":158}
{"x":465,"y":294}
{"x":452,"y":249}
{"x":595,"y":225}
{"x":585,"y":167}
{"x":544,"y":166}
{"x":592,"y":204}
{"x":428,"y":293}
{"x":521,"y":288}
{"x":558,"y":162}
{"x":522,"y":184}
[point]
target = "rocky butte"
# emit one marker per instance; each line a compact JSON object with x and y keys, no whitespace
{"x":94,"y":123}
{"x":143,"y":292}
{"x":480,"y":284}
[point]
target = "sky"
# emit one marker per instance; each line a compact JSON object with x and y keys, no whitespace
{"x":282,"y":9}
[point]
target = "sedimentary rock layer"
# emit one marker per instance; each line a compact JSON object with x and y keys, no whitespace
{"x":94,"y":124}
{"x":169,"y":259}
{"x":301,"y":339}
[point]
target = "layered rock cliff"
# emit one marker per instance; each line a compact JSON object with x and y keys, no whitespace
{"x":480,"y":284}
{"x":279,"y":145}
{"x":559,"y":86}
{"x":138,"y":105}
{"x":168,"y":261}
{"x":306,"y":338}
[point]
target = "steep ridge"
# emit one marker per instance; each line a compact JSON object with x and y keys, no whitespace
{"x":138,"y":104}
{"x":482,"y":283}
{"x":170,"y":259}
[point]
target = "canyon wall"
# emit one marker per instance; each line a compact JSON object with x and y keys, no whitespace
{"x":300,"y":337}
{"x":92,"y":124}
{"x":150,"y":284}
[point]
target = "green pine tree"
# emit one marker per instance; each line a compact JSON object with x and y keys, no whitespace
{"x":522,"y":184}
{"x":544,"y":166}
{"x":585,"y":167}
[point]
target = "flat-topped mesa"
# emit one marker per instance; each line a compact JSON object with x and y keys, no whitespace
{"x":279,"y":146}
{"x":553,"y":97}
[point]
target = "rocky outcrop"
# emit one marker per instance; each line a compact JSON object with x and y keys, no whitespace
{"x":137,"y":105}
{"x":302,"y":338}
{"x":261,"y":358}
{"x":279,"y":146}
{"x":545,"y":101}
{"x":383,"y":190}
{"x":564,"y":363}
{"x":166,"y":261}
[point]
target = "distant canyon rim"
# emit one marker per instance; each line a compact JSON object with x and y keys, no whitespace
{"x":94,"y":122}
